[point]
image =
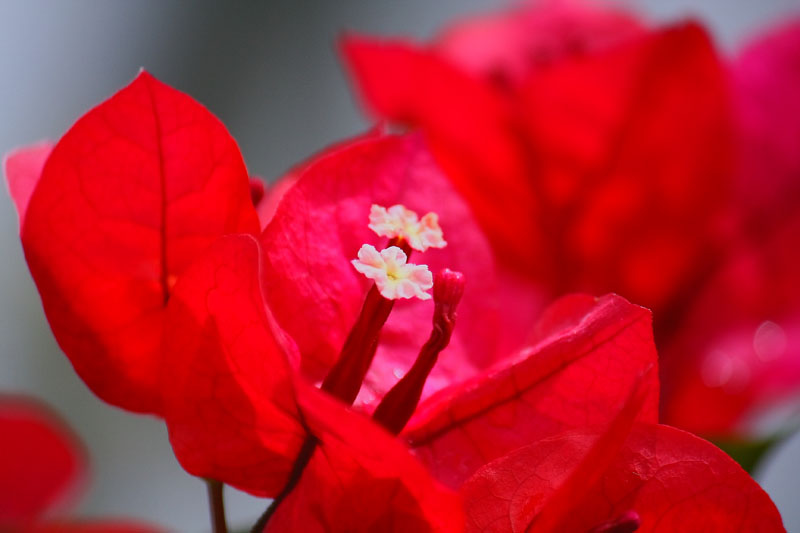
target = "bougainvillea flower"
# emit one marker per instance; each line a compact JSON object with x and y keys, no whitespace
{"x":250,"y":325}
{"x":43,"y":468}
{"x":601,"y":155}
{"x":352,"y":480}
{"x":571,"y":167}
{"x":234,"y":402}
{"x":737,"y":355}
{"x":126,"y":199}
{"x":627,"y":477}
{"x":237,"y":412}
{"x":308,"y":284}
{"x":360,"y":479}
{"x":322,"y":222}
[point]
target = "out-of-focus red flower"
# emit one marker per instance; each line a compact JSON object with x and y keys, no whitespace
{"x":559,"y":161}
{"x":127,"y":198}
{"x":737,"y":355}
{"x":42,"y":469}
{"x":600,"y":155}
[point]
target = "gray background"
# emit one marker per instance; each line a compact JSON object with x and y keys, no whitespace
{"x":270,"y":72}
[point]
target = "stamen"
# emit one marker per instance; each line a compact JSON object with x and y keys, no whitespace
{"x":393,"y":277}
{"x":627,"y":522}
{"x":401,"y":401}
{"x":402,"y":223}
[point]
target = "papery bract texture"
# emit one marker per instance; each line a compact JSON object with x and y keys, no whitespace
{"x":42,"y":461}
{"x":229,"y":402}
{"x":506,"y":504}
{"x":672,"y":480}
{"x":362,"y":479}
{"x":587,"y":358}
{"x":320,"y":225}
{"x":237,"y":412}
{"x":128,"y":197}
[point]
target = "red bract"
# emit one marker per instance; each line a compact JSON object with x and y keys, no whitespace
{"x":252,"y":324}
{"x":237,"y":413}
{"x":551,"y":384}
{"x":237,"y":408}
{"x":127,"y":198}
{"x":360,"y":479}
{"x":23,"y":168}
{"x":621,"y":166}
{"x":322,"y":222}
{"x":575,"y":152}
{"x":588,"y":355}
{"x":737,"y":352}
{"x":510,"y":46}
{"x":228,"y":398}
{"x":766,"y":77}
{"x":644,"y":478}
{"x":43,"y":466}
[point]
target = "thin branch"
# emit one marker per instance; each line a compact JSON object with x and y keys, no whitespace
{"x":216,"y":506}
{"x":303,"y":458}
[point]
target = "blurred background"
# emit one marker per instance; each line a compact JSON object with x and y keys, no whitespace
{"x":270,"y":72}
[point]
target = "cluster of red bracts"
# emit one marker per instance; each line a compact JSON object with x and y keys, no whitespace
{"x":178,"y":289}
{"x":628,"y":160}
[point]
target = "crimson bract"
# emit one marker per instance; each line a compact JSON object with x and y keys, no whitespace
{"x":253,"y":345}
{"x":627,"y":159}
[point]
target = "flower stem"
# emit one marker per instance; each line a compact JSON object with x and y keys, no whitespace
{"x":216,"y":506}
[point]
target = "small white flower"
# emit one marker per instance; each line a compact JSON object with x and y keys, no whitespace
{"x":397,"y":221}
{"x":393,"y":276}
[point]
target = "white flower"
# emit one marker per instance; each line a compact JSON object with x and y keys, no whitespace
{"x":397,"y":221}
{"x":393,"y":276}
